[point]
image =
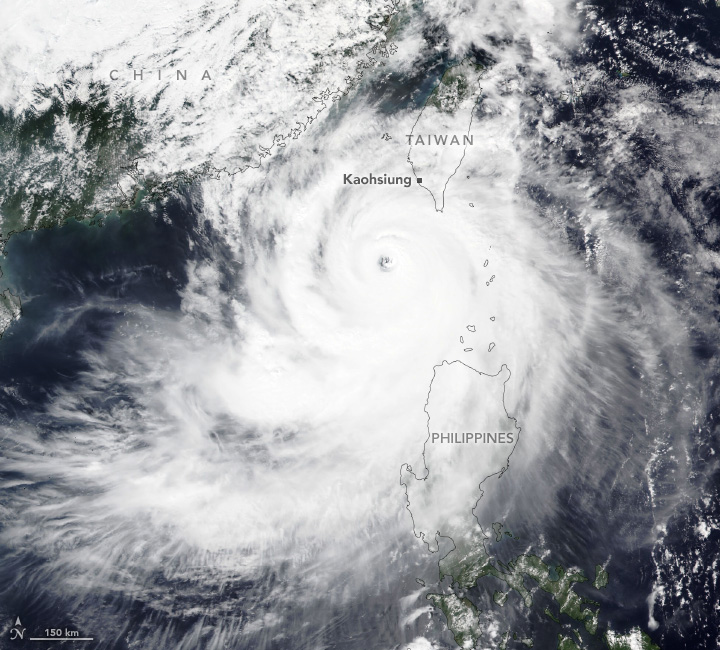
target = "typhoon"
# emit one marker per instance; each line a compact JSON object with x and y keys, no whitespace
{"x":399,"y":332}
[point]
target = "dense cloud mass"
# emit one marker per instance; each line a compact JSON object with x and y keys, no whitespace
{"x":217,"y":407}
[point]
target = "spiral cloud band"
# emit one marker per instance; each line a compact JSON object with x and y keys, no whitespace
{"x":419,"y":320}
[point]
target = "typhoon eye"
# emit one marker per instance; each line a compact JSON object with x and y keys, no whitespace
{"x":386,"y":263}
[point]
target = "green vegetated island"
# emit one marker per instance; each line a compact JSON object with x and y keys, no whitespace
{"x":468,"y":565}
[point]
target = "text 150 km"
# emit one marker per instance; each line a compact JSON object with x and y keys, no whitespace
{"x":49,"y":631}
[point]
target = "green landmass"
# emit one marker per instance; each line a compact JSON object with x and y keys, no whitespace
{"x":550,"y":615}
{"x":470,"y":561}
{"x":635,"y":639}
{"x":504,"y":642}
{"x":10,"y":309}
{"x":467,"y":565}
{"x":528,"y":643}
{"x":457,"y":84}
{"x":66,"y":159}
{"x":601,"y":577}
{"x":566,"y":643}
{"x":74,"y":153}
{"x":591,"y":622}
{"x":497,"y":527}
{"x":462,"y":618}
{"x":500,"y":597}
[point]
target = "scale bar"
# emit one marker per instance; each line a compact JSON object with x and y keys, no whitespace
{"x":61,"y":638}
